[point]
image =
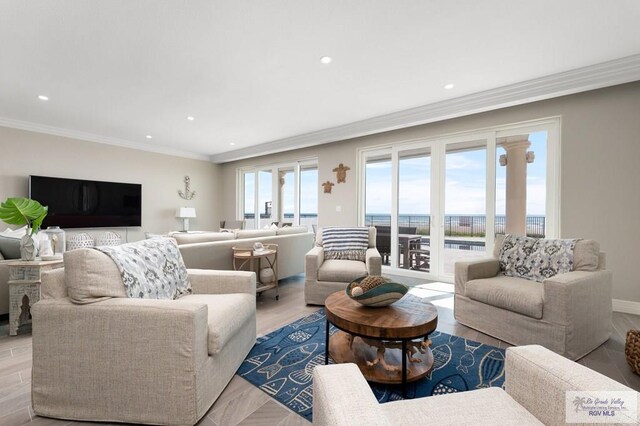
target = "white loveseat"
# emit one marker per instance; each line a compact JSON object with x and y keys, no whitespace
{"x":534,"y":394}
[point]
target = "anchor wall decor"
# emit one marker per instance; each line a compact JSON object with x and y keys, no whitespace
{"x":188,"y":194}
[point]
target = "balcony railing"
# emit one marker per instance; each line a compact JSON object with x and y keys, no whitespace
{"x":454,"y":225}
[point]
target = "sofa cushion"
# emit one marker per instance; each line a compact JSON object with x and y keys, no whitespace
{"x":586,"y":255}
{"x":91,"y":276}
{"x":490,"y":406}
{"x":341,"y":271}
{"x":513,"y":294}
{"x":255,"y":233}
{"x":201,"y":237}
{"x":288,"y":230}
{"x":227,"y":314}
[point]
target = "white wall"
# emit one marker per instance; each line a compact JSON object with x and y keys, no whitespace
{"x":600,"y":170}
{"x":24,"y":153}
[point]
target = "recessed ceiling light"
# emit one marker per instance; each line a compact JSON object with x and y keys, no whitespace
{"x":449,"y":86}
{"x":43,"y":97}
{"x":149,"y":137}
{"x":326,"y":59}
{"x":232,"y":143}
{"x":190,"y":118}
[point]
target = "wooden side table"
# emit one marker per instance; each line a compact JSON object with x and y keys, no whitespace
{"x":246,"y":258}
{"x":25,"y":278}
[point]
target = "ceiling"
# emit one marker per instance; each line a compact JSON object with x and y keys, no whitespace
{"x":249,"y":72}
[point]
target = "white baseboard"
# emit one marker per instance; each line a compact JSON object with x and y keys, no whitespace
{"x":626,"y":306}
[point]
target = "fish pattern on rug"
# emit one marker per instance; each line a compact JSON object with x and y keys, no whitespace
{"x":281,"y":364}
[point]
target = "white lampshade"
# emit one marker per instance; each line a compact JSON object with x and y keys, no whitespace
{"x":185,"y":212}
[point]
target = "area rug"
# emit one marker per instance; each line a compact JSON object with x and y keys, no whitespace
{"x":281,"y":364}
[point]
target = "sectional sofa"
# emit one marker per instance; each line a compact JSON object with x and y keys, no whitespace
{"x":213,"y":250}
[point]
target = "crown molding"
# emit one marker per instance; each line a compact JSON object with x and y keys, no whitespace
{"x":591,"y":77}
{"x":90,"y":137}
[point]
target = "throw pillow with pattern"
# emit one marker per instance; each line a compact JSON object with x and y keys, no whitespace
{"x":536,"y":259}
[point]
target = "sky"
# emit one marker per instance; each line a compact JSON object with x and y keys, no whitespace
{"x":465,"y":183}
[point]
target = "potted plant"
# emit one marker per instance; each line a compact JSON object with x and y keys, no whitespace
{"x":24,"y":211}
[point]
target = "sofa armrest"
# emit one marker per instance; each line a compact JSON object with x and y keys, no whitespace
{"x":341,"y":396}
{"x":538,"y":379}
{"x":473,"y":270}
{"x":313,"y":260}
{"x":578,"y":297}
{"x":115,"y":351}
{"x":207,"y":281}
{"x":373,"y":261}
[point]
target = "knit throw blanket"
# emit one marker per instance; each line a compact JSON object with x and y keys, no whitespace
{"x":345,"y":243}
{"x":150,"y":269}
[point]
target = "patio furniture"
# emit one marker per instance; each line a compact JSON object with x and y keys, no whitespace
{"x":420,"y":259}
{"x":323,"y":277}
{"x":383,"y":242}
{"x":535,"y":389}
{"x":569,"y":313}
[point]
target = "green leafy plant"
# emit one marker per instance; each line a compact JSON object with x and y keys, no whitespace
{"x":23,"y":211}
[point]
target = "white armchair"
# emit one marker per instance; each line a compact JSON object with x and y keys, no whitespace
{"x":323,"y":277}
{"x":138,"y":360}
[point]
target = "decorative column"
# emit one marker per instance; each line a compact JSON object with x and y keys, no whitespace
{"x":516,"y":159}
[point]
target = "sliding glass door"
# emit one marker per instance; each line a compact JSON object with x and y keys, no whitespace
{"x":464,"y":214}
{"x":440,"y":201}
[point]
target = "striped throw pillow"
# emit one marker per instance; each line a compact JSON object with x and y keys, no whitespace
{"x":345,"y":243}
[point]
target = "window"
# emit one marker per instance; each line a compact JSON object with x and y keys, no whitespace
{"x":443,"y":200}
{"x":285,"y":194}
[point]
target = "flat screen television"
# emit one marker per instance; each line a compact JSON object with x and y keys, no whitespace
{"x":75,"y":203}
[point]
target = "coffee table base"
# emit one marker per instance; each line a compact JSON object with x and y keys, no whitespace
{"x":360,"y":352}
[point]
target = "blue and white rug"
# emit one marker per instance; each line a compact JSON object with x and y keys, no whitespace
{"x":281,"y":364}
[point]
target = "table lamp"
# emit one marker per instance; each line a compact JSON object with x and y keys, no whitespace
{"x":185,"y":213}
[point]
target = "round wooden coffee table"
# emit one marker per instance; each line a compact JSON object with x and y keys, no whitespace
{"x":381,"y":341}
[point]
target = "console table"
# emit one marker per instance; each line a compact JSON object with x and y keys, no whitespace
{"x":25,"y":278}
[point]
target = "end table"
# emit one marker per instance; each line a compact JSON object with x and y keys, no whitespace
{"x":25,"y":278}
{"x":246,"y":258}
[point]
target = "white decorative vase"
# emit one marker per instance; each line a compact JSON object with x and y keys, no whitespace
{"x":266,"y":275}
{"x":28,"y":247}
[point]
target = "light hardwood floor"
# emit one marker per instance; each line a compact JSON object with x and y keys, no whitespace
{"x":242,"y":403}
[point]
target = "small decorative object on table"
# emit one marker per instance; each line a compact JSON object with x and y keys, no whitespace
{"x":375,"y":291}
{"x":81,"y":240}
{"x":632,"y":350}
{"x":57,"y":243}
{"x":109,"y":239}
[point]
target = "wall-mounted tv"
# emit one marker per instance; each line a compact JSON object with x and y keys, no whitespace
{"x":75,"y":203}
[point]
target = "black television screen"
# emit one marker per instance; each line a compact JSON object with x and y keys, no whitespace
{"x":77,"y":203}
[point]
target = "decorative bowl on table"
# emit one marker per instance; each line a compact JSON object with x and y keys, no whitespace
{"x":375,"y":291}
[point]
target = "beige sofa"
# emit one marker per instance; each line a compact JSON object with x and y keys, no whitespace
{"x":137,"y":360}
{"x":569,"y":313}
{"x":213,"y":250}
{"x":323,"y":277}
{"x":534,"y":394}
